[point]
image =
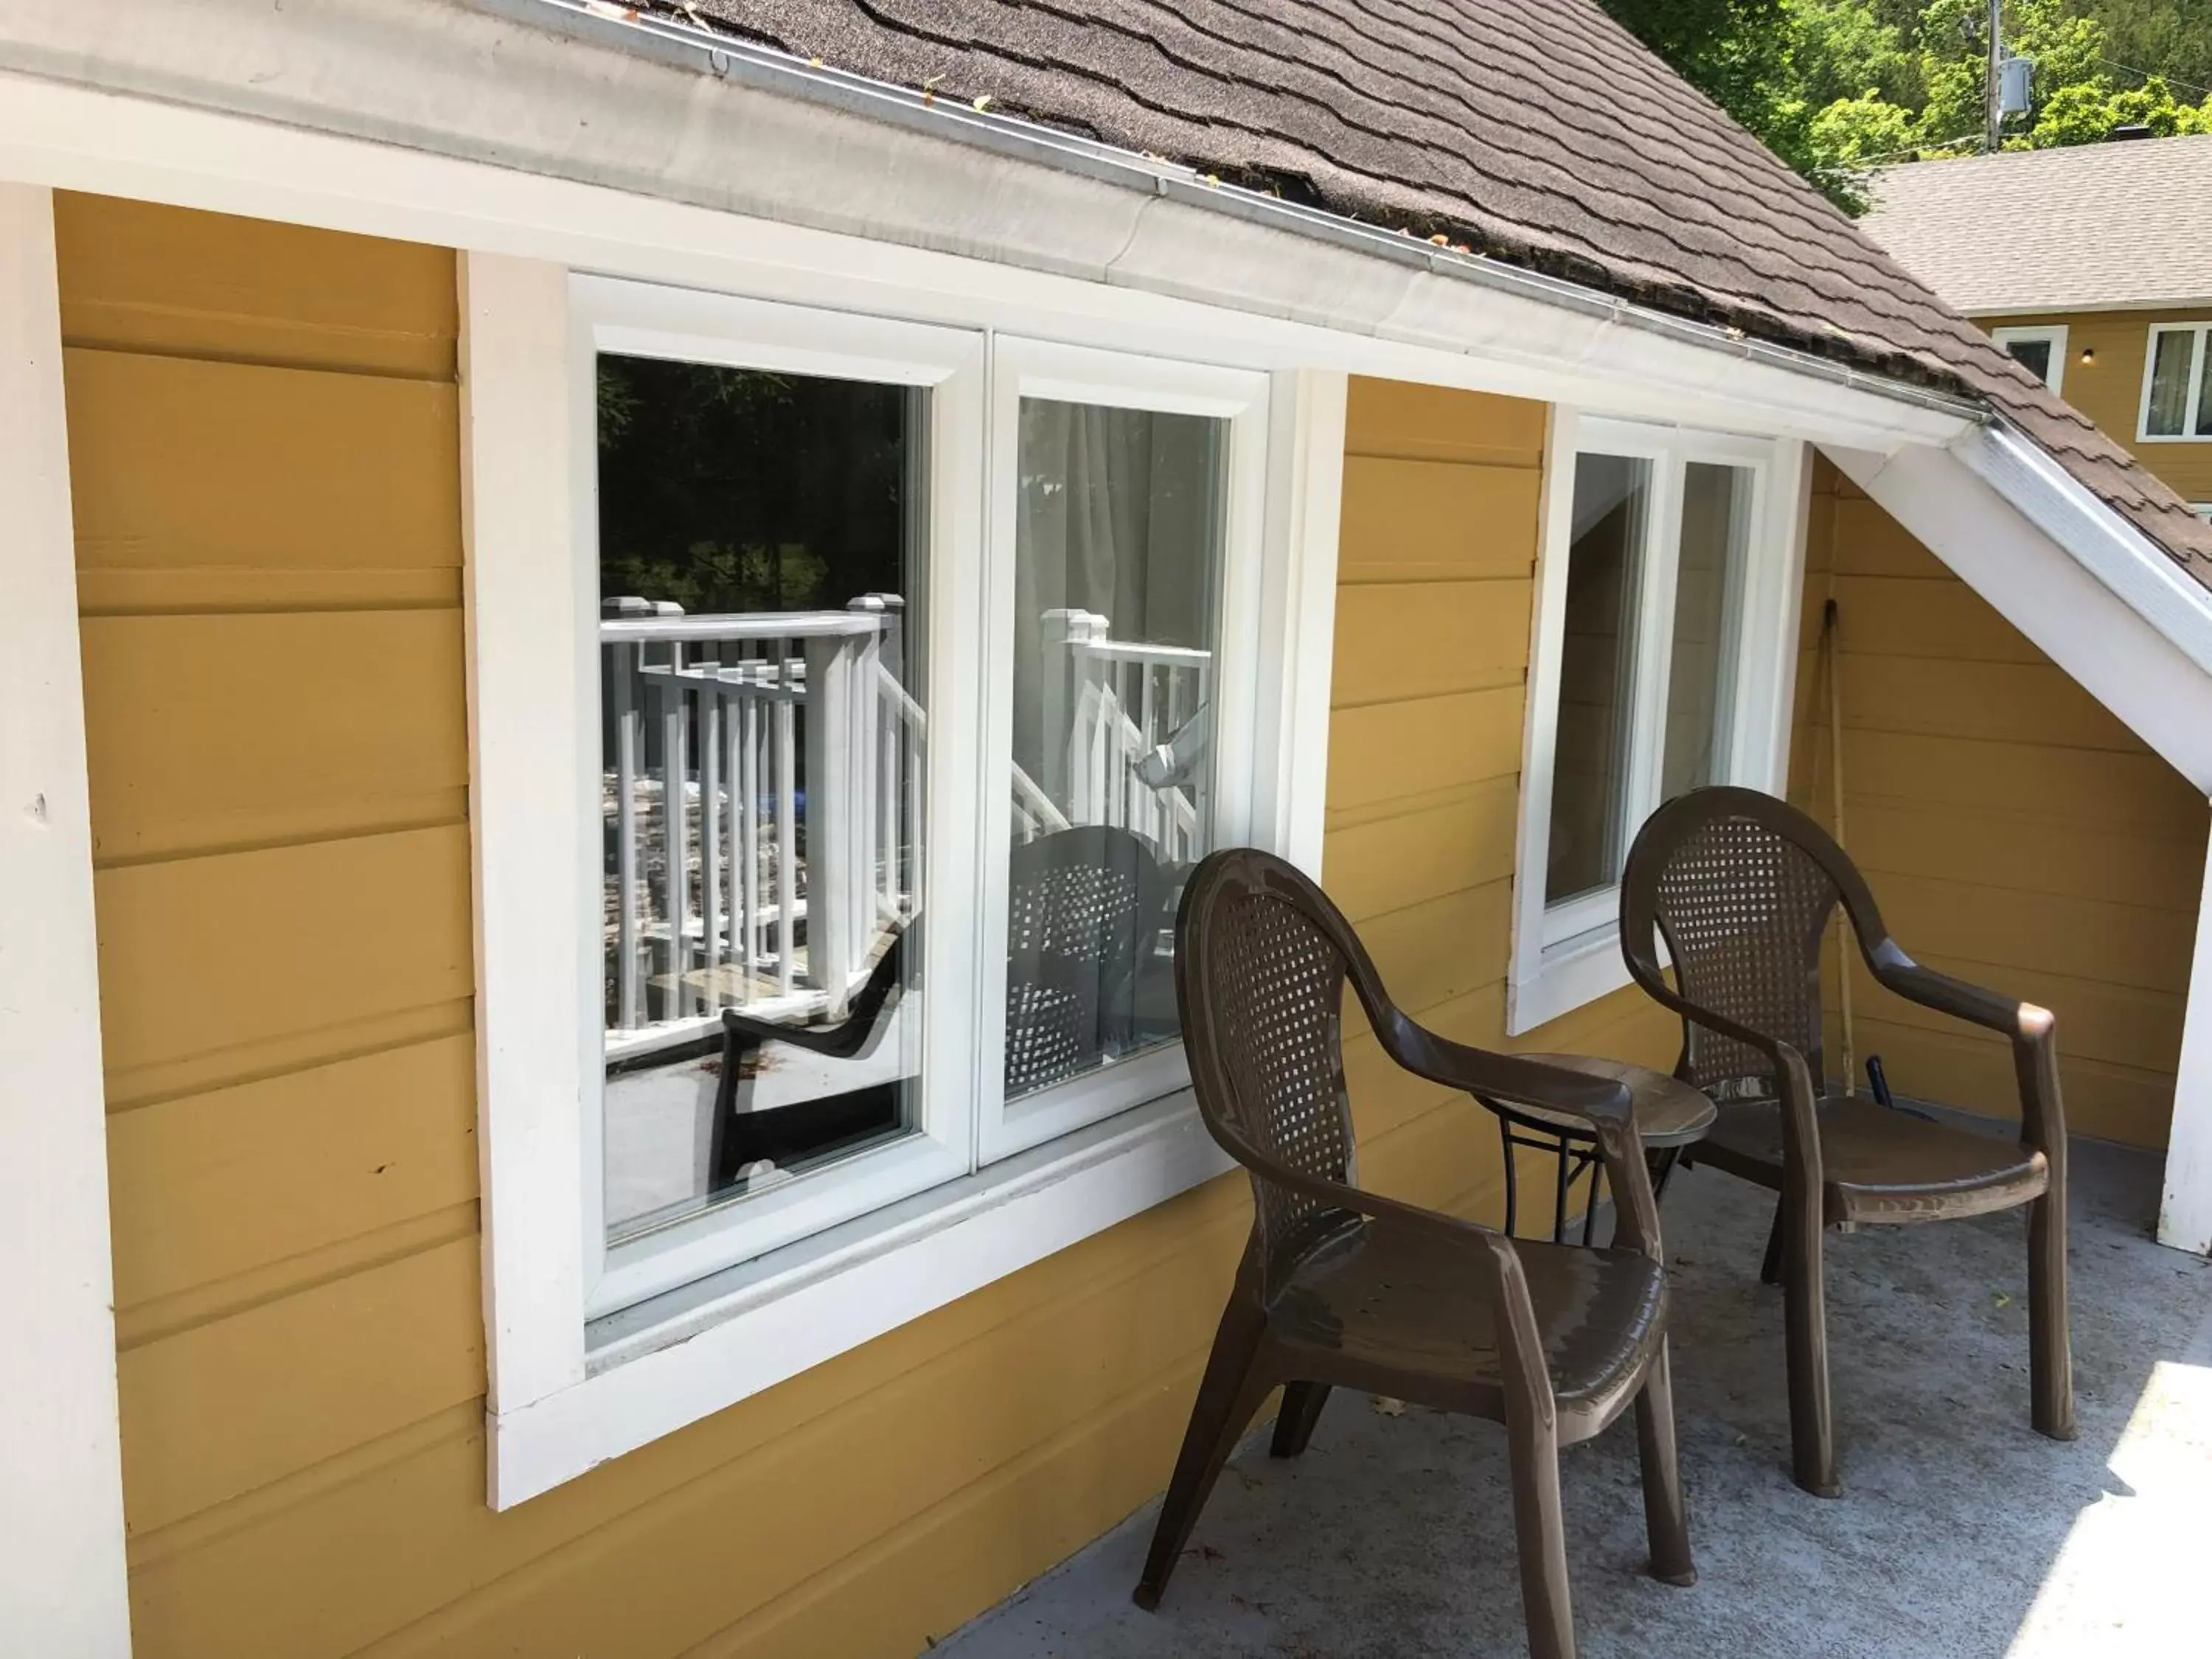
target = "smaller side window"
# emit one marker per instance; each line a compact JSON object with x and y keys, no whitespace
{"x":2041,"y":351}
{"x":2177,"y":396}
{"x":1664,"y":658}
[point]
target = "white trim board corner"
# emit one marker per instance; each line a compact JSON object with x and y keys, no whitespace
{"x":63,"y":1586}
{"x":2184,"y":1217}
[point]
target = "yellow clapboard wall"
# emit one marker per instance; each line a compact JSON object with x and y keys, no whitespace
{"x":2015,"y":833}
{"x":2109,"y":387}
{"x":265,"y":455}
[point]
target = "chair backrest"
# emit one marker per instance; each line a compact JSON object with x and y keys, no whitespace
{"x":1740,"y":885}
{"x":1082,"y":907}
{"x":1262,"y":958}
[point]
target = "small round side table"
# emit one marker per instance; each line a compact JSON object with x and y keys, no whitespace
{"x":1670,"y":1115}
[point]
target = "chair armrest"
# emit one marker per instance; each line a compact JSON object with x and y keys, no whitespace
{"x":1895,"y":971}
{"x":1479,"y":1071}
{"x":1601,"y":1103}
{"x":751,"y":1033}
{"x":2033,"y":1031}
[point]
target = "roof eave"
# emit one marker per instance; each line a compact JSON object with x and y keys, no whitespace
{"x":745,"y":62}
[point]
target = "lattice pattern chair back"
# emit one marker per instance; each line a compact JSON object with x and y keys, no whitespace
{"x":1742,"y":902}
{"x":1260,"y":961}
{"x":1081,"y":907}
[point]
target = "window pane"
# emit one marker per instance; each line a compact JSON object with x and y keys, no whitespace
{"x":1589,"y":763}
{"x":2035,"y":354}
{"x":1716,"y":525}
{"x":2203,"y":428}
{"x":2169,"y":383}
{"x":760,"y":557}
{"x":1117,"y":551}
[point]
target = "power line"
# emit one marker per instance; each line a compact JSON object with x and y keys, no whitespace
{"x":2154,"y":75}
{"x":1866,"y":162}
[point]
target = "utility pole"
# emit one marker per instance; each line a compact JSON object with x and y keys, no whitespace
{"x":1993,"y":93}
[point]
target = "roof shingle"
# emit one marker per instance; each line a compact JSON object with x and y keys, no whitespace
{"x":1545,"y":134}
{"x":2090,"y":228}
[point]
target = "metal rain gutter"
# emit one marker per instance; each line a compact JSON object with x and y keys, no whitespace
{"x":764,"y":68}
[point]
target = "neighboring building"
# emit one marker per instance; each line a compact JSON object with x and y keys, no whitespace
{"x":2093,"y":266}
{"x":524,"y":524}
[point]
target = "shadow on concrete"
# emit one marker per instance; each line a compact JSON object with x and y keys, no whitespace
{"x":1960,"y":1531}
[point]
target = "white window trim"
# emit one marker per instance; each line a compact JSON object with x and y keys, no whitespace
{"x":2055,"y":334}
{"x":563,"y":1397}
{"x":1031,"y":369}
{"x":1568,"y":955}
{"x":2193,"y":413}
{"x":63,"y":1586}
{"x":639,"y":319}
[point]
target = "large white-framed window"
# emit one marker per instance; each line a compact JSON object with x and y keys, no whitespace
{"x":1661,"y":660}
{"x":777,"y":515}
{"x":2041,"y":350}
{"x":2177,"y":389}
{"x":800,"y":639}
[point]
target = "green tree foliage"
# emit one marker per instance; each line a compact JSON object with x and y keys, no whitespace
{"x":1834,"y":87}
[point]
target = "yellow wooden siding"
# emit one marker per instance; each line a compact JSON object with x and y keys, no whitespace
{"x":2015,"y":832}
{"x":2108,"y":389}
{"x":263,"y":425}
{"x":1439,"y":543}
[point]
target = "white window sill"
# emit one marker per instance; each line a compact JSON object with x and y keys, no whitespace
{"x":652,"y":1369}
{"x":1565,"y":977}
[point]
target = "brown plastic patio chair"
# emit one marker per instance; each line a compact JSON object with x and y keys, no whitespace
{"x":1740,"y":886}
{"x":1344,"y":1288}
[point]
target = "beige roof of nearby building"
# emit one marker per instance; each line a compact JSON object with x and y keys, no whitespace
{"x":2094,"y":227}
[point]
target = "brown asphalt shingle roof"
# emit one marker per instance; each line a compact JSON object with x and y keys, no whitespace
{"x":1538,"y":131}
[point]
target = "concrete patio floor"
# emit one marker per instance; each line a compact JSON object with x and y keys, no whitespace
{"x":1959,"y":1531}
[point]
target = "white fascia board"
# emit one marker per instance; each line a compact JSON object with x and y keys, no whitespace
{"x":2105,"y":545}
{"x":2067,"y":598}
{"x":443,"y":122}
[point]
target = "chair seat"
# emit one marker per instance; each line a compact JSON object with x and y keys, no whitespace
{"x":1407,"y":1316}
{"x":1878,"y":1164}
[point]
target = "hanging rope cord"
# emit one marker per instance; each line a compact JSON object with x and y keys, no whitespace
{"x":1830,"y":649}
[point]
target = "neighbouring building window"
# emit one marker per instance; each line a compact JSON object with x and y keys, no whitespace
{"x":1665,"y":596}
{"x":2177,"y":398}
{"x":2042,"y":349}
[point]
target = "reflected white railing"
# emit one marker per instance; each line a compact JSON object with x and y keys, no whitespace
{"x":794,"y":756}
{"x":793,"y":753}
{"x":1136,"y":717}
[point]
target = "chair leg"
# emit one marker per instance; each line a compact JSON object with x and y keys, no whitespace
{"x":1805,"y":1312}
{"x":1294,"y":1423}
{"x":1769,"y":1269}
{"x":1227,"y":1396}
{"x":1539,"y":1529}
{"x":2050,"y":1351}
{"x":1666,"y":1521}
